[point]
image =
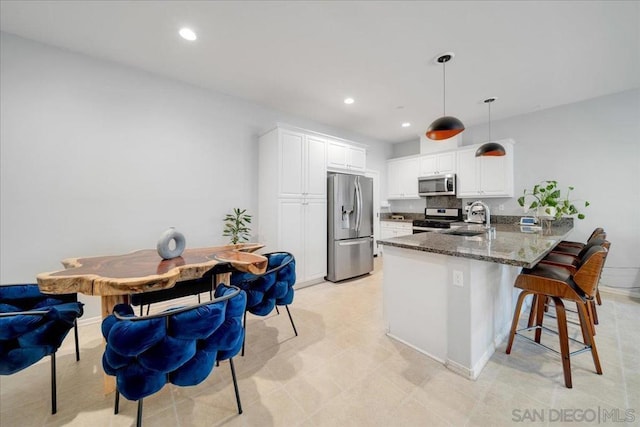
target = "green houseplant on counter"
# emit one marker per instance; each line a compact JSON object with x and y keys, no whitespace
{"x":236,"y":226}
{"x":549,"y":202}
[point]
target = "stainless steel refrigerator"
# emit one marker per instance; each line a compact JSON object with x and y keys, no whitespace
{"x":350,"y":226}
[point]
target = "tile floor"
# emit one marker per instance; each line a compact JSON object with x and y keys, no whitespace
{"x":343,"y":371}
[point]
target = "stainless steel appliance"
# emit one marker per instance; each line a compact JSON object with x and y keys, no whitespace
{"x":437,"y":219}
{"x":350,"y":226}
{"x":437,"y":185}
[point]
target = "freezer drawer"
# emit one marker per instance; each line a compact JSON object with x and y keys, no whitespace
{"x":349,"y":258}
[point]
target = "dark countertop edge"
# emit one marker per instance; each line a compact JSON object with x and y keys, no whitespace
{"x":464,"y":254}
{"x":410,"y":221}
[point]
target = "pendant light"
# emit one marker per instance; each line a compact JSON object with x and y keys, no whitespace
{"x":446,"y":126}
{"x":490,"y":148}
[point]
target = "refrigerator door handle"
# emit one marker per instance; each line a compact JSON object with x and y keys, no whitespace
{"x":353,"y":242}
{"x":358,"y":204}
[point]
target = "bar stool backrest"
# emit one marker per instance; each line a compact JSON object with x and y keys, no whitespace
{"x":588,"y":275}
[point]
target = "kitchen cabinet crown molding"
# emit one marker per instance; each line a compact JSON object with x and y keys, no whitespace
{"x":280,"y":125}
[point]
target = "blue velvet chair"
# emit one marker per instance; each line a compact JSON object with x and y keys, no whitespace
{"x":272,"y":288}
{"x":32,"y":326}
{"x":178,"y":346}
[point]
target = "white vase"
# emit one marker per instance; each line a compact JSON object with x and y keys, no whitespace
{"x":546,"y":212}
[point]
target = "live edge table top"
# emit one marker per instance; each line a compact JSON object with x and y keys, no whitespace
{"x":145,"y":270}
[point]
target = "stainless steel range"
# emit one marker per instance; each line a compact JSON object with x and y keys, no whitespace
{"x":436,"y":219}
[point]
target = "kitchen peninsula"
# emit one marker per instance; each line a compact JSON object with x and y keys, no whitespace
{"x":450,"y":294}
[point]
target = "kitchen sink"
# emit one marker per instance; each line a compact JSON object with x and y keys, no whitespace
{"x":465,"y":232}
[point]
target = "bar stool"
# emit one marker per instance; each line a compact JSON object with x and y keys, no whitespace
{"x":573,"y":262}
{"x":574,"y":248}
{"x":557,"y":283}
{"x":569,"y":243}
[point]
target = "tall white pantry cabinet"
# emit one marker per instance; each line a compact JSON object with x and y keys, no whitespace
{"x":292,"y":199}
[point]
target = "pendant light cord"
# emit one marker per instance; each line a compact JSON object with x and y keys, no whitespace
{"x":444,"y":89}
{"x":489,"y":121}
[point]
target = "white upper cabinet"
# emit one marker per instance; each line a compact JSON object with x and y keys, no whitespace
{"x":490,"y":176}
{"x":438,"y":164}
{"x":346,"y":157}
{"x":301,"y":165}
{"x":402,"y":178}
{"x":316,"y":169}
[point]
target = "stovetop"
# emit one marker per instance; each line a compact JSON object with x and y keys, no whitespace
{"x":438,"y":218}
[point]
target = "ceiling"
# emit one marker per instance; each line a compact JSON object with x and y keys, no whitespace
{"x":304,"y":58}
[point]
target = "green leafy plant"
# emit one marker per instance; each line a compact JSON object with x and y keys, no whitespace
{"x":236,"y":226}
{"x":548,"y":197}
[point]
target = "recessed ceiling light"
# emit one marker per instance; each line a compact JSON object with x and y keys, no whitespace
{"x":406,"y":124}
{"x":349,"y":101}
{"x":187,"y":34}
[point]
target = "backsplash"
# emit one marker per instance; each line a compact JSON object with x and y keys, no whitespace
{"x":418,"y":205}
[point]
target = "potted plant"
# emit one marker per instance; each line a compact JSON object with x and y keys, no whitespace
{"x":549,"y":202}
{"x":236,"y":226}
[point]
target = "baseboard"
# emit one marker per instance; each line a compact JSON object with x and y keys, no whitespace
{"x":437,"y":359}
{"x":628,"y":292}
{"x":462,"y":370}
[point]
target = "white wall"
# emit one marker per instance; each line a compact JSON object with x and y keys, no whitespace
{"x":99,"y":158}
{"x":595,"y":146}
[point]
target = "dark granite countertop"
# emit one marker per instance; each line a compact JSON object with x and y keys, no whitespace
{"x":511,"y":244}
{"x":409,"y":220}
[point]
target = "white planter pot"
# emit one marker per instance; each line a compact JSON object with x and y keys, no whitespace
{"x":546,"y":212}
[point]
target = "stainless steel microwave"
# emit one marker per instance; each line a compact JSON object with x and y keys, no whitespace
{"x":437,"y":185}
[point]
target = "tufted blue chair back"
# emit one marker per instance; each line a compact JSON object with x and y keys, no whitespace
{"x":272,"y":288}
{"x":32,"y":326}
{"x":180,"y":345}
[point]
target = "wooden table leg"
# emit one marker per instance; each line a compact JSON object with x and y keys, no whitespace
{"x":223,"y":278}
{"x":108,"y":302}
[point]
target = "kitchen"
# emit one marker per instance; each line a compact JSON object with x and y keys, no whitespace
{"x":92,"y":154}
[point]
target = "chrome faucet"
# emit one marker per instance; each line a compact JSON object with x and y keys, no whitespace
{"x":487,"y":212}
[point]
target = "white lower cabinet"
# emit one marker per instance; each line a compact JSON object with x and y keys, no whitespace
{"x":302,"y":230}
{"x":390,"y":229}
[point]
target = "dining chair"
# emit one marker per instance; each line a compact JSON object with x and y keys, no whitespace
{"x":180,"y":345}
{"x":33,"y":325}
{"x":194,"y":287}
{"x":557,"y":283}
{"x":271,"y":289}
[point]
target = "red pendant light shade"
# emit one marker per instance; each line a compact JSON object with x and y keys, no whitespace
{"x":446,"y":126}
{"x":490,"y":148}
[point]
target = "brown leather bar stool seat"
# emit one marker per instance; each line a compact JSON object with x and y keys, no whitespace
{"x":557,"y":283}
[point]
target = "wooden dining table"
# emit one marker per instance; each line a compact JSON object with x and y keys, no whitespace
{"x":115,"y":277}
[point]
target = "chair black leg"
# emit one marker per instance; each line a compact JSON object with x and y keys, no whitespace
{"x":139,"y":418}
{"x":116,"y":406}
{"x":54,"y":402}
{"x":235,"y":386}
{"x":277,"y":311}
{"x":244,"y":337}
{"x":140,"y":309}
{"x":291,"y":318}
{"x":75,"y":334}
{"x":148,"y":308}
